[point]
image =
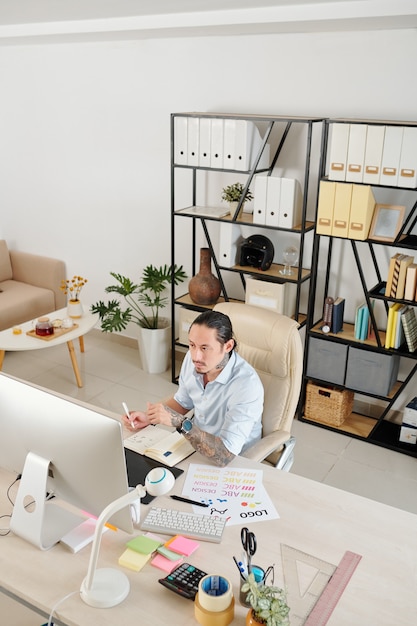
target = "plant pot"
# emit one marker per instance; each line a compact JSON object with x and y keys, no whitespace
{"x":74,"y":309}
{"x":154,"y":345}
{"x":204,"y":288}
{"x":251,"y":619}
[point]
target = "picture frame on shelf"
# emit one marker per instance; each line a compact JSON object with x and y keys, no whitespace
{"x":386,"y":222}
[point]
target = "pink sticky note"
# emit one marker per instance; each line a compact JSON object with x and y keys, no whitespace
{"x":165,"y":564}
{"x":183,"y":545}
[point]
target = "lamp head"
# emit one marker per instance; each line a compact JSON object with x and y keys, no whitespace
{"x":159,"y":481}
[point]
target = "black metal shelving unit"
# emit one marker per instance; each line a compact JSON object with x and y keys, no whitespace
{"x":379,"y":430}
{"x":283,"y":127}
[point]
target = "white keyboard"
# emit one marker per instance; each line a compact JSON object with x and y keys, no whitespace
{"x":195,"y":526}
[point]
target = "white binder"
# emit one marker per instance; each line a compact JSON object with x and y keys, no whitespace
{"x":391,"y":155}
{"x":338,"y":151}
{"x":180,"y":140}
{"x":216,"y":156}
{"x":204,"y":142}
{"x":273,"y":197}
{"x":259,"y":199}
{"x":243,"y":144}
{"x":356,"y":153}
{"x":193,"y":140}
{"x":407,"y":176}
{"x":290,"y":203}
{"x":230,"y":236}
{"x":373,"y":154}
{"x":229,"y":144}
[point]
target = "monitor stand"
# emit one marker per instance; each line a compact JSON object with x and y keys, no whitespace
{"x":43,"y":523}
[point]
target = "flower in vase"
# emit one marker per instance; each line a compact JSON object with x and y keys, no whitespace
{"x":73,"y":286}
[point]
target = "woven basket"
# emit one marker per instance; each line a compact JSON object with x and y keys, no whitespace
{"x":328,"y":405}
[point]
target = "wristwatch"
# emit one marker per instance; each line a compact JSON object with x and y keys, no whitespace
{"x":185,"y":427}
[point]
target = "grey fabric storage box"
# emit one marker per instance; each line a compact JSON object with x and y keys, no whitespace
{"x":327,"y":360}
{"x":371,"y":372}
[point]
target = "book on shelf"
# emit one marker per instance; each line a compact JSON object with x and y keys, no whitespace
{"x":390,"y":333}
{"x":337,"y":315}
{"x":409,"y":322}
{"x":160,"y":445}
{"x":398,"y":332}
{"x":394,"y":264}
{"x":363,"y":324}
{"x":358,"y":321}
{"x":411,"y":282}
{"x":404,"y":265}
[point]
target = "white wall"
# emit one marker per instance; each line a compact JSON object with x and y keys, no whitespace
{"x":84,"y":127}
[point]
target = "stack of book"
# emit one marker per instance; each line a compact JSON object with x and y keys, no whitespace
{"x":401,"y":326}
{"x":402,"y":277}
{"x":363,"y":323}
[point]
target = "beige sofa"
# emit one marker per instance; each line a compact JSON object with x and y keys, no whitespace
{"x":29,"y":286}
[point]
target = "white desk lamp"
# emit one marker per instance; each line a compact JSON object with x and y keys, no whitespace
{"x":106,"y":587}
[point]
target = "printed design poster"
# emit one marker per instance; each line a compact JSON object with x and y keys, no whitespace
{"x":232,"y":492}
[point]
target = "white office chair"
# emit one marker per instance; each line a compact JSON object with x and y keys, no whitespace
{"x":271,"y":343}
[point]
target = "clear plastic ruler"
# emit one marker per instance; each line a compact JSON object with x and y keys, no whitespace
{"x":314,"y":586}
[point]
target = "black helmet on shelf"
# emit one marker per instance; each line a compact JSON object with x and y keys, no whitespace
{"x":257,"y":251}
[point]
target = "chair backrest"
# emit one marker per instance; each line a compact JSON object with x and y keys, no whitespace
{"x":271,"y":343}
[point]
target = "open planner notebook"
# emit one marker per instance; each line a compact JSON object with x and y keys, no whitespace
{"x":159,"y":444}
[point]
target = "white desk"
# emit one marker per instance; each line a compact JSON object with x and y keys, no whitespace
{"x":314,"y":518}
{"x":9,"y":342}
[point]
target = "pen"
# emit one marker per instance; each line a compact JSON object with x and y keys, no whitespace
{"x":126,"y":410}
{"x":240,"y":568}
{"x":181,"y":499}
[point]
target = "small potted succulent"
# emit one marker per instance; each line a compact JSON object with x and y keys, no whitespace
{"x":232,"y":195}
{"x":269,"y":606}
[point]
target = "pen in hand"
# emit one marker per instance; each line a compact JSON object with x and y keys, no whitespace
{"x":126,"y":410}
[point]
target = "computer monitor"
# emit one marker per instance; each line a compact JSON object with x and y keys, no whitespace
{"x":64,"y":449}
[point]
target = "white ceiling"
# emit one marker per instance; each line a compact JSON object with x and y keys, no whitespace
{"x":62,"y":20}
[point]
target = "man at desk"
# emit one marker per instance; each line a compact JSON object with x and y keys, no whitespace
{"x":224,"y":391}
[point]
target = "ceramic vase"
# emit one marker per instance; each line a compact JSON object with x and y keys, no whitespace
{"x":74,"y":309}
{"x":204,"y":288}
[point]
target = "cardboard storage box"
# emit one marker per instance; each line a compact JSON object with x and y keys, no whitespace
{"x":185,"y":319}
{"x":371,"y":372}
{"x":327,"y":360}
{"x":410,"y":413}
{"x":279,"y":297}
{"x":408,"y":434}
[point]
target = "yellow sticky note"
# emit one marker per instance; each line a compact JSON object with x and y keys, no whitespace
{"x":133,"y":560}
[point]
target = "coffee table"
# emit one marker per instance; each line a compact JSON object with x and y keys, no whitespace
{"x":10,"y":342}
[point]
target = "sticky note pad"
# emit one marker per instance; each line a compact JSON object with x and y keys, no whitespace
{"x":164,"y":563}
{"x":133,"y":560}
{"x":168,"y":554}
{"x":182,"y":545}
{"x":143,"y":544}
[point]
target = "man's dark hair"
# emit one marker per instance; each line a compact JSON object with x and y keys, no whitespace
{"x":220,"y":322}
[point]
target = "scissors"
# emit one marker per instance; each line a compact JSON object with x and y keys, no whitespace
{"x":248,"y":540}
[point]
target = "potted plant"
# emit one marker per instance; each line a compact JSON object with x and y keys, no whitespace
{"x":141,"y":303}
{"x":268,"y":604}
{"x":232,"y":195}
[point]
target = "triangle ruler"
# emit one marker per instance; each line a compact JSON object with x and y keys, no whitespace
{"x":314,"y":586}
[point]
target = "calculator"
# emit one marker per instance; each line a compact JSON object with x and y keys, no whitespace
{"x":184,"y":580}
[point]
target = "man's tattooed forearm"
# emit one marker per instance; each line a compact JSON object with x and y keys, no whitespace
{"x":210,"y":446}
{"x":176,"y":418}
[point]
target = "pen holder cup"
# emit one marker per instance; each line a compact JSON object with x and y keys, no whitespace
{"x":259,"y":575}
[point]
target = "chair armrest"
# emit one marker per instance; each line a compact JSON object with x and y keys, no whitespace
{"x":266,"y":446}
{"x":40,"y":271}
